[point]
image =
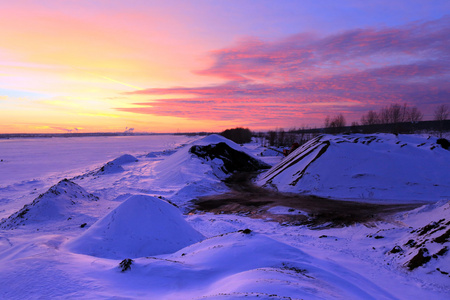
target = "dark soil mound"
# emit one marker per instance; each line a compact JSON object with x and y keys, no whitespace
{"x":233,"y":160}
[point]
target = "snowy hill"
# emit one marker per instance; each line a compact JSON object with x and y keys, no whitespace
{"x":140,"y":226}
{"x":378,"y":167}
{"x":59,"y":203}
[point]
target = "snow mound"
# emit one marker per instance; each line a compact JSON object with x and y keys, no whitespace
{"x":57,"y":204}
{"x":115,"y":166}
{"x":378,"y":167}
{"x":140,"y":226}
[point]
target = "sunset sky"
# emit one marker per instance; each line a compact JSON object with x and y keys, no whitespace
{"x":208,"y":65}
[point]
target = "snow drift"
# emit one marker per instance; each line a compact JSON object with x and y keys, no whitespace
{"x":140,"y":226}
{"x":365,"y":167}
{"x":57,"y":204}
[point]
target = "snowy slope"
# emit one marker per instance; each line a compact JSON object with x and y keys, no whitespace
{"x":379,"y":167}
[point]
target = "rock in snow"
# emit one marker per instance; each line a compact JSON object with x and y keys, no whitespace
{"x":140,"y":226}
{"x":54,"y":205}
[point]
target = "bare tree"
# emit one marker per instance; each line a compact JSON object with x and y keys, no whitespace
{"x":414,"y":115}
{"x":441,"y":114}
{"x":371,"y":118}
{"x":395,"y":114}
{"x":327,"y":122}
{"x":334,"y":123}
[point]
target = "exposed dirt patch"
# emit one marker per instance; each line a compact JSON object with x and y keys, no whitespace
{"x":233,"y":160}
{"x":253,"y":201}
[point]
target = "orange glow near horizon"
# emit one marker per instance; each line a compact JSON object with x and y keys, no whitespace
{"x":186,"y":66}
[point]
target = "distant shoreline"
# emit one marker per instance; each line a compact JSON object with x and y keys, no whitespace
{"x":88,"y":134}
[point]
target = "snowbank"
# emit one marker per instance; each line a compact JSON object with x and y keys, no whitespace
{"x":378,"y":167}
{"x":140,"y":226}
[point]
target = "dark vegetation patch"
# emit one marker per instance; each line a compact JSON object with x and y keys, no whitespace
{"x":253,"y":201}
{"x":125,"y":264}
{"x":411,"y":243}
{"x":428,"y":228}
{"x":419,"y":259}
{"x":396,"y":249}
{"x":444,"y":143}
{"x":238,"y":135}
{"x":443,"y":238}
{"x":285,"y":266}
{"x":442,"y":251}
{"x":233,"y":160}
{"x":442,"y":272}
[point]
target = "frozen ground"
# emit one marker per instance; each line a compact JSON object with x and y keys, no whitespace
{"x":110,"y":230}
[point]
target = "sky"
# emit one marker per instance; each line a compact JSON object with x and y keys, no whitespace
{"x":209,"y":65}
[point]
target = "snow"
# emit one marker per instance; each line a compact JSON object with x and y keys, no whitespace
{"x":74,"y":234}
{"x":372,"y":168}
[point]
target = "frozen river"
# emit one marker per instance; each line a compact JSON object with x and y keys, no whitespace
{"x":26,"y":159}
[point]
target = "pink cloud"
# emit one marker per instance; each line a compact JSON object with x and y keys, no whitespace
{"x":281,"y":81}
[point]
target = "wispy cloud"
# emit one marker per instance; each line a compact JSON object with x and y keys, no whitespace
{"x":306,"y":76}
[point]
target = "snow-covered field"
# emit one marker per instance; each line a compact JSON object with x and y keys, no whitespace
{"x":117,"y":226}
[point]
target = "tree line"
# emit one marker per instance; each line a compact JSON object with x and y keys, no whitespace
{"x":400,"y":118}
